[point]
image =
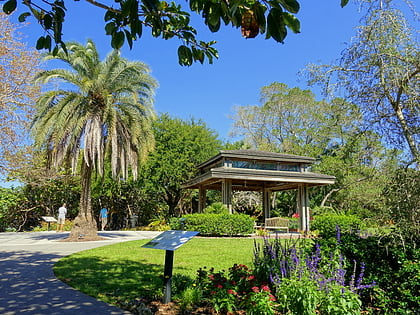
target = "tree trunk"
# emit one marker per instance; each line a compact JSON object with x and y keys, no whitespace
{"x":85,"y":226}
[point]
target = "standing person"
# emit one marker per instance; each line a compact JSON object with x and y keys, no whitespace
{"x":103,"y":217}
{"x":62,"y":211}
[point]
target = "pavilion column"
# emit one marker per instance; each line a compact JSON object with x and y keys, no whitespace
{"x":266,"y":202}
{"x":227,"y":194}
{"x":201,"y":199}
{"x":303,"y":207}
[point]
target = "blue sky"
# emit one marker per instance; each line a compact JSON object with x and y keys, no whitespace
{"x":209,"y":92}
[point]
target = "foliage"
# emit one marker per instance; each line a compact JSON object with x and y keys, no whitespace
{"x":379,"y":72}
{"x":179,"y":146}
{"x":392,"y":261}
{"x":219,"y":224}
{"x":234,"y":290}
{"x":308,"y":282}
{"x":403,"y":199}
{"x":125,"y":21}
{"x":216,"y":208}
{"x":327,"y":224}
{"x":18,"y":66}
{"x":104,"y":112}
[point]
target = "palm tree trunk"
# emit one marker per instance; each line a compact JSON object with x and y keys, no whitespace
{"x":85,"y":226}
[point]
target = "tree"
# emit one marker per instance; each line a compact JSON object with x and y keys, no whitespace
{"x":180,"y":146}
{"x":103,"y":114}
{"x":380,"y":73}
{"x":18,"y":65}
{"x":126,"y":19}
{"x":291,"y":120}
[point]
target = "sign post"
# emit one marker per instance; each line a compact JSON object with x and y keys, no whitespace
{"x":49,"y":220}
{"x":169,"y":241}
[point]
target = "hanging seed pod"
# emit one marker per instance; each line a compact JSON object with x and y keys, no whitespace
{"x":249,"y":25}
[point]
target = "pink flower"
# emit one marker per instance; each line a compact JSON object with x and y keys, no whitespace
{"x":219,"y":286}
{"x":230,"y":291}
{"x":272,"y":297}
{"x":251,"y":277}
{"x":295,"y":215}
{"x":265,"y":288}
{"x":255,"y":289}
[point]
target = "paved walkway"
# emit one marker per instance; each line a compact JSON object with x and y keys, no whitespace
{"x":28,"y":284}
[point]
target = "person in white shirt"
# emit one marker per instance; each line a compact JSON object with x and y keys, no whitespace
{"x":62,"y":211}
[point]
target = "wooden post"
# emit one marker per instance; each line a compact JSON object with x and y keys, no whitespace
{"x":227,"y":194}
{"x":266,"y":203}
{"x":201,"y":199}
{"x":303,"y":207}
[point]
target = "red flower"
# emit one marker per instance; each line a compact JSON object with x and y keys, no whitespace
{"x":230,"y":291}
{"x":219,"y":286}
{"x":295,"y":215}
{"x":272,"y":297}
{"x":255,"y":289}
{"x":251,"y":277}
{"x":265,"y":288}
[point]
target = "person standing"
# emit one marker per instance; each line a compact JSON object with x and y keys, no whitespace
{"x":62,"y":211}
{"x":103,"y":217}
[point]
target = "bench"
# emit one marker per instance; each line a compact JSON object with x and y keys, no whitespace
{"x":277,"y":223}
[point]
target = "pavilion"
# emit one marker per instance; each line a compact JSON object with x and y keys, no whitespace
{"x":265,"y":172}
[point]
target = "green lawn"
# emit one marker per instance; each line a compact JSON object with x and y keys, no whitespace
{"x":125,"y":271}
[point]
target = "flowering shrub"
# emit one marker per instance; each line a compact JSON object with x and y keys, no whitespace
{"x":236,"y":289}
{"x":308,"y":282}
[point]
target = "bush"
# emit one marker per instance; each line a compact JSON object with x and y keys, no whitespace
{"x":219,"y":224}
{"x":393,"y":262}
{"x":216,"y":208}
{"x":326,"y":224}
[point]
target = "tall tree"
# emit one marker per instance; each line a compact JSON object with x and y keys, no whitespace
{"x":180,"y":146}
{"x":125,"y":20}
{"x":291,"y":120}
{"x":104,"y":111}
{"x":18,"y":65}
{"x":380,"y":72}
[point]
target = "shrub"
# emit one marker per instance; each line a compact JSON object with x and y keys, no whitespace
{"x":216,"y":208}
{"x":326,"y":224}
{"x":308,"y":282}
{"x":219,"y":224}
{"x":393,"y":263}
{"x":236,"y":289}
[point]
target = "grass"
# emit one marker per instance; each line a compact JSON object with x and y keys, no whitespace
{"x":125,"y":271}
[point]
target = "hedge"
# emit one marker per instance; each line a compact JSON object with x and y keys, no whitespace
{"x":216,"y":224}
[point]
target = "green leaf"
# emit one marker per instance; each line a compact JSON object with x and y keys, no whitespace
{"x":47,"y":21}
{"x":117,"y":40}
{"x":184,"y":56}
{"x":275,"y":25}
{"x":9,"y":6}
{"x":290,"y":5}
{"x":110,"y":28}
{"x":109,"y":15}
{"x":23,"y":16}
{"x":292,"y":22}
{"x":129,"y":39}
{"x":344,"y":3}
{"x":40,"y":43}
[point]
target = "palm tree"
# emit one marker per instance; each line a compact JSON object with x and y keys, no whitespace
{"x":103,"y":113}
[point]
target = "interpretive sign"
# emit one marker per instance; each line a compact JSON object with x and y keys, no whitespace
{"x":169,"y":241}
{"x":49,"y":220}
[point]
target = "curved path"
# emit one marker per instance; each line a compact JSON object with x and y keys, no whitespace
{"x":28,"y":284}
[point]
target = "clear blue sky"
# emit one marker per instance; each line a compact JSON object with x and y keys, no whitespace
{"x":209,"y":92}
